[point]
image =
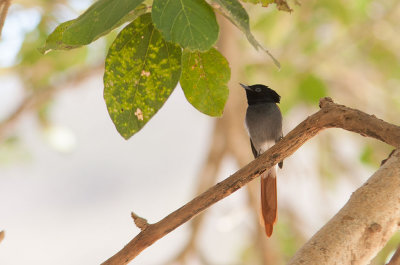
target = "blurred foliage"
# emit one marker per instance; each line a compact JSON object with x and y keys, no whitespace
{"x":311,"y":89}
{"x":43,"y":74}
{"x":38,"y":71}
{"x":288,"y":241}
{"x":12,"y":150}
{"x":280,"y":4}
{"x":367,"y":155}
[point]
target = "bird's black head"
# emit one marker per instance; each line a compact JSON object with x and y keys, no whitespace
{"x":257,"y":94}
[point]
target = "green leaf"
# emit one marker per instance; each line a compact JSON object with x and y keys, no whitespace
{"x":55,"y":39}
{"x":204,"y":80}
{"x":132,"y":15}
{"x":312,"y":88}
{"x":235,"y":12}
{"x":99,"y":19}
{"x":190,"y":23}
{"x":141,"y":71}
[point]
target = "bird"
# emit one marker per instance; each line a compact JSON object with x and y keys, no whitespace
{"x":264,"y":124}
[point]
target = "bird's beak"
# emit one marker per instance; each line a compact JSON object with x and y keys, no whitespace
{"x":245,"y":87}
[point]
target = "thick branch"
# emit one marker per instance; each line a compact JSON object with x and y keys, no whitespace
{"x":331,"y":115}
{"x":363,"y":226}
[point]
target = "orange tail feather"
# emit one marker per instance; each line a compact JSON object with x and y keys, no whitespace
{"x":269,"y":200}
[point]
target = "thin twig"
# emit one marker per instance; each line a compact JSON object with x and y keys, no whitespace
{"x":140,"y":222}
{"x":331,"y":115}
{"x":2,"y":234}
{"x":4,"y":5}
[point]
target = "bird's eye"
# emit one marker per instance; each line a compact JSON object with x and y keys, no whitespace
{"x":258,"y":89}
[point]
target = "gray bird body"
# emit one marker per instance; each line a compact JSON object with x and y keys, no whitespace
{"x":264,"y":125}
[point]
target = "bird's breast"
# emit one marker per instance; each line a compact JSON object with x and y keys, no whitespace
{"x":264,"y":125}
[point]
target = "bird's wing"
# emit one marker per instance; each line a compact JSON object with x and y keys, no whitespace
{"x":253,"y":149}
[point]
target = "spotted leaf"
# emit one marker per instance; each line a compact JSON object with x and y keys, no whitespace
{"x":142,"y":69}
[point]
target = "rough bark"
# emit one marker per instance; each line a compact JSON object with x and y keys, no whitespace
{"x":331,"y":115}
{"x":363,"y":226}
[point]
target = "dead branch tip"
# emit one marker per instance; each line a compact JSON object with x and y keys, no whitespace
{"x":140,"y":222}
{"x":325,"y":101}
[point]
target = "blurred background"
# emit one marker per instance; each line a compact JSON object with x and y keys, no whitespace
{"x":68,"y":180}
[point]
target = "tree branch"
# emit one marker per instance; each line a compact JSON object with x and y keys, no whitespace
{"x":330,"y":115}
{"x":4,"y":5}
{"x":140,"y":222}
{"x":363,"y":226}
